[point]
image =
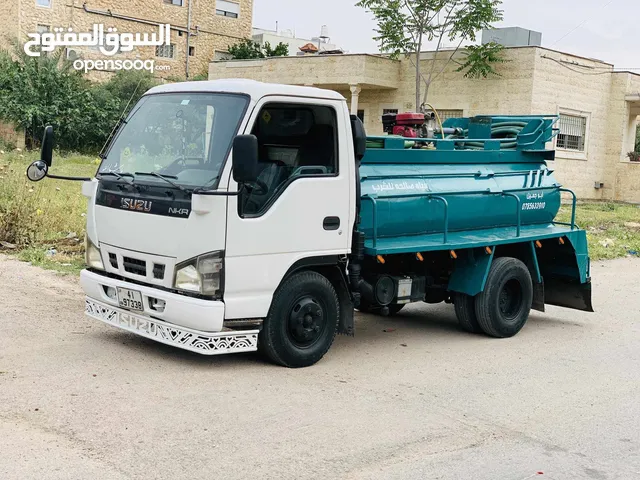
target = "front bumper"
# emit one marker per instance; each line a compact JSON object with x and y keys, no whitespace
{"x":184,"y":338}
{"x":193,"y":313}
{"x":188,"y":323}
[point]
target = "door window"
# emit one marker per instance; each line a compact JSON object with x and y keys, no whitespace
{"x":294,"y":141}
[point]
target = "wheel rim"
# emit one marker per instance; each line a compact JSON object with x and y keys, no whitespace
{"x":510,"y":300}
{"x":307,"y":322}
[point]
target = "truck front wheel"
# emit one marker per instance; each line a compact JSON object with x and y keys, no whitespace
{"x":503,"y":307}
{"x":302,"y":322}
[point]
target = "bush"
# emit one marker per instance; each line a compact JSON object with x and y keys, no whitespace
{"x":248,"y":49}
{"x":43,"y":213}
{"x":46,"y":90}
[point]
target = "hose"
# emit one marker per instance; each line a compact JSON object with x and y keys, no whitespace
{"x":506,"y":132}
{"x":437,"y":117}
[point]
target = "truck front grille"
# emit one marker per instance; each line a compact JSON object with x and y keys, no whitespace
{"x":135,"y":266}
{"x":113,"y":260}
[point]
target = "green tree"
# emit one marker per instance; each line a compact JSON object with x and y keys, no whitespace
{"x":404,"y":25}
{"x":280,"y":50}
{"x":479,"y":60}
{"x":248,"y":49}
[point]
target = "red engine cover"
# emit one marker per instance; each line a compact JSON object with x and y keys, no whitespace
{"x":412,"y":119}
{"x":407,"y":132}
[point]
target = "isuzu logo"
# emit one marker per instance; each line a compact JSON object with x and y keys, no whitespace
{"x":135,"y":205}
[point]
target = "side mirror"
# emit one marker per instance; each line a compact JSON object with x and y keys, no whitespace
{"x":359,"y":137}
{"x":46,"y":152}
{"x":37,"y":171}
{"x":245,"y":158}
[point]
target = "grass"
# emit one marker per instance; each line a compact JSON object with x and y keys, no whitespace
{"x":613,"y":229}
{"x":45,"y":221}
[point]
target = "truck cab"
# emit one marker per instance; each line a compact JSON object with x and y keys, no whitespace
{"x":225,"y":215}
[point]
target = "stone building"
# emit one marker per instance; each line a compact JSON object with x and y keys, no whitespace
{"x":598,"y":106}
{"x":213,"y":26}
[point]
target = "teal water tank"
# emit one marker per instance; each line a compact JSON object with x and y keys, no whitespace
{"x":488,"y":179}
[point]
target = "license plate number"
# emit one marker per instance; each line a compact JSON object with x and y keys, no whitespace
{"x":130,"y":299}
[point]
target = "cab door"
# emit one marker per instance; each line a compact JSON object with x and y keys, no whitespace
{"x":302,"y":206}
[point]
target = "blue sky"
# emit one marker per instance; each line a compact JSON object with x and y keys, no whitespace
{"x":611,"y":31}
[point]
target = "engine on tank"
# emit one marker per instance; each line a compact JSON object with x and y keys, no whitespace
{"x":409,"y":125}
{"x":414,"y":125}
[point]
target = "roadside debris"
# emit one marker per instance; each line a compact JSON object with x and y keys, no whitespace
{"x":607,"y":242}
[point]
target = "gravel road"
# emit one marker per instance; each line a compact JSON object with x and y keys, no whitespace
{"x":421,"y":400}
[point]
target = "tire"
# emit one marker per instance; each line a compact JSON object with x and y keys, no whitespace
{"x":302,"y":321}
{"x":466,"y":312}
{"x":366,"y":307}
{"x":504,"y":306}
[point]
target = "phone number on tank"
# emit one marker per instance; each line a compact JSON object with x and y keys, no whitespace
{"x":534,"y":206}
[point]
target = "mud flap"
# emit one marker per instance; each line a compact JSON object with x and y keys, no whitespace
{"x":346,"y":324}
{"x":568,"y":293}
{"x":538,"y":296}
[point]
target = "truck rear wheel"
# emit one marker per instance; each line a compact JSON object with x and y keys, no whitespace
{"x":504,"y":306}
{"x":466,"y":312}
{"x":302,"y":321}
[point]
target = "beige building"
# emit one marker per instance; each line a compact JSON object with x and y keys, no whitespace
{"x":598,"y":107}
{"x":199,"y":28}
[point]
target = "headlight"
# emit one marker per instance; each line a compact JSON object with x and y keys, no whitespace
{"x":202,"y":274}
{"x":92,"y":255}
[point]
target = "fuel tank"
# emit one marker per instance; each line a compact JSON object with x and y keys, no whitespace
{"x":494,"y":173}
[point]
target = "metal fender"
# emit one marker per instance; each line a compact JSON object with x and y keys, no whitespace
{"x":471,"y":270}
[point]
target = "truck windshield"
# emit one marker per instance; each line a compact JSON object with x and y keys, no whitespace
{"x":185,"y":137}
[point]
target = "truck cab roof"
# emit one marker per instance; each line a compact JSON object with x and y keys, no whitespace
{"x":254,"y":89}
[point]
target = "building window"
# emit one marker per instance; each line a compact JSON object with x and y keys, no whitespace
{"x":42,"y":29}
{"x":386,"y":111}
{"x":165,"y":51}
{"x":178,"y":3}
{"x":446,"y":114}
{"x":361,"y":115}
{"x":192,"y":51}
{"x":573,"y":132}
{"x":43,"y":3}
{"x":227,"y":9}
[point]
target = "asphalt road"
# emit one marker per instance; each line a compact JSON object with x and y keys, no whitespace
{"x":422,"y":400}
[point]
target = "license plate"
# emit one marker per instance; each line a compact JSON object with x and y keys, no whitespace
{"x":130,"y":299}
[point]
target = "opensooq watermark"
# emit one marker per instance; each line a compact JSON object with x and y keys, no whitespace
{"x":109,"y":44}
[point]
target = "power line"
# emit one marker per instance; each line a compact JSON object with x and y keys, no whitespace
{"x":565,"y":65}
{"x":581,"y":24}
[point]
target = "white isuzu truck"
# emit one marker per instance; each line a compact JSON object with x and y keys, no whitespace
{"x":225,"y":217}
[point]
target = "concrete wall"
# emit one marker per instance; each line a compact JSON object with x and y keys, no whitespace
{"x":215,"y":32}
{"x":11,"y":136}
{"x":560,"y":87}
{"x":331,"y":71}
{"x":623,"y":117}
{"x":509,"y":93}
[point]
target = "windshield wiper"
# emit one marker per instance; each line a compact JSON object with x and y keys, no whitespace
{"x":119,"y":176}
{"x":166,"y":178}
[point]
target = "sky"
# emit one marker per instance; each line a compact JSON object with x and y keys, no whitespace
{"x":607,"y":30}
